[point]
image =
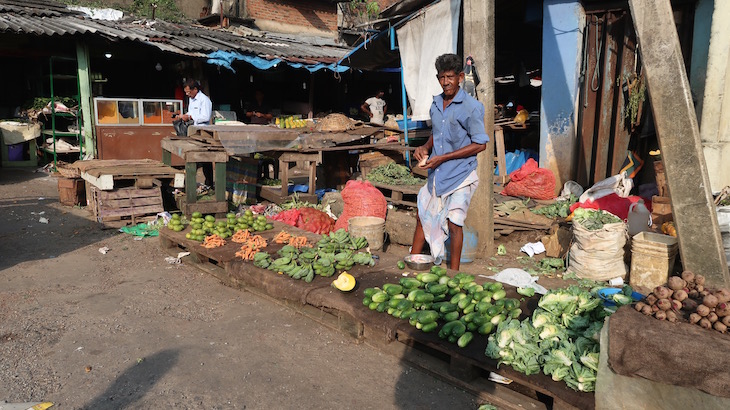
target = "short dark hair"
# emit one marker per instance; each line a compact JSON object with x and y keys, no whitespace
{"x":190,"y":83}
{"x":448,"y":62}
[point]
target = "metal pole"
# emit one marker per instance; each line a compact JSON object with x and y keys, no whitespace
{"x":405,"y":112}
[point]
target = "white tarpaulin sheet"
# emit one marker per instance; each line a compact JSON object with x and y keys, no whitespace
{"x":428,"y":35}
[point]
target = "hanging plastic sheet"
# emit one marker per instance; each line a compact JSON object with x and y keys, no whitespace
{"x":226,"y":59}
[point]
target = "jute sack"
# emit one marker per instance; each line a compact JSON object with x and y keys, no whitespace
{"x":598,"y":255}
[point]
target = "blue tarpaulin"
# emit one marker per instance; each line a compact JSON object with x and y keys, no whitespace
{"x":226,"y":58}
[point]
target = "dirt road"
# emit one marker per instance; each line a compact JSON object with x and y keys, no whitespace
{"x":126,"y":329}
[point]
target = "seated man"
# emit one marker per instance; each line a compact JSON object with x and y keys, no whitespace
{"x":200,"y":109}
{"x":458,"y":135}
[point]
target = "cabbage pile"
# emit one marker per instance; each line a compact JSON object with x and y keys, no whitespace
{"x":561,"y":338}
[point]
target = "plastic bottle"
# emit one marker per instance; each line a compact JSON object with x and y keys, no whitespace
{"x":639,"y":218}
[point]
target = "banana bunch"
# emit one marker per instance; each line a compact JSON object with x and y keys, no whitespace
{"x":262,"y":260}
{"x":340,"y":240}
{"x":307,"y":255}
{"x":288,"y":250}
{"x":324,"y":266}
{"x":284,"y":264}
{"x":304,"y":271}
{"x":344,"y":260}
{"x":364,"y":258}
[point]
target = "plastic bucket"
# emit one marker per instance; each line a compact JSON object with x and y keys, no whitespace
{"x":652,"y":259}
{"x":15,"y":152}
{"x":370,"y":227}
{"x":468,"y":248}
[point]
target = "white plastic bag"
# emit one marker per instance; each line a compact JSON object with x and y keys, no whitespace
{"x":619,"y":184}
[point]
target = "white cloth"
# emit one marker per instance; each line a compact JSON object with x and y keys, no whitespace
{"x":420,"y":41}
{"x":200,"y":108}
{"x":377,"y":107}
{"x":519,"y":278}
{"x":434,"y":212}
{"x":534,"y":248}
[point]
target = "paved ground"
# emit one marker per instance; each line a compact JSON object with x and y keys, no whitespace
{"x":128,"y":330}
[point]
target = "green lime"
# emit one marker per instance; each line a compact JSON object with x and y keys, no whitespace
{"x":196,"y":225}
{"x":401,"y":265}
{"x":244,"y":226}
{"x":269,"y":226}
{"x":230,"y":215}
{"x":261,"y":218}
{"x":210,"y":218}
{"x":240,"y":219}
{"x":176,"y":216}
{"x":220,"y":223}
{"x":177,"y":228}
{"x":248,"y":213}
{"x":197,"y":215}
{"x":188,"y":235}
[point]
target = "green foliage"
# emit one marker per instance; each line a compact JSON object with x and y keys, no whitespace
{"x":559,"y":208}
{"x":592,"y":219}
{"x":365,"y":7}
{"x":393,"y":174}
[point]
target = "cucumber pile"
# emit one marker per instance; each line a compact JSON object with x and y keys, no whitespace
{"x":430,"y":298}
{"x":335,"y":252}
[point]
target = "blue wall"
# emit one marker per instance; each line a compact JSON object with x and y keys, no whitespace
{"x":563,"y":22}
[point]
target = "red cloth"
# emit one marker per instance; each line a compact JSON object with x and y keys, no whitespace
{"x":612,"y":203}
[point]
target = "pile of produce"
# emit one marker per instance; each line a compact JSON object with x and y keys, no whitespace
{"x":687,"y":299}
{"x":594,"y":219}
{"x":558,"y":209}
{"x":213,"y":241}
{"x":460,"y":304}
{"x":335,"y":251}
{"x":176,"y":223}
{"x":393,"y":174}
{"x":561,"y":338}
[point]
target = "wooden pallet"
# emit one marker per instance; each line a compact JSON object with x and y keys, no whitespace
{"x":110,"y":174}
{"x":399,"y":194}
{"x":130,"y":205}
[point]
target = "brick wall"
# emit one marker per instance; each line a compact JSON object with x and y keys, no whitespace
{"x":321,"y":15}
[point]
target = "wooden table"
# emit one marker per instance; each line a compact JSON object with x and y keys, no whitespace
{"x":285,"y":159}
{"x":194,"y":152}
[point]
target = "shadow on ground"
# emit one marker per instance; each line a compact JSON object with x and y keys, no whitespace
{"x":135,"y":382}
{"x":25,"y":198}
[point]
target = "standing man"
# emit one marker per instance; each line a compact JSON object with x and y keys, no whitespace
{"x":375,"y":108}
{"x":457,"y":137}
{"x":200,"y":109}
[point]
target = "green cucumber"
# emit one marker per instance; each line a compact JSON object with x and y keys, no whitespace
{"x":510,"y":304}
{"x":454,"y":291}
{"x":453,"y":283}
{"x":469,"y":308}
{"x":390,"y":310}
{"x":393,"y":303}
{"x":470,"y":316}
{"x":373,"y":305}
{"x":449,"y":326}
{"x":369,"y":292}
{"x":458,"y":329}
{"x":382,"y":306}
{"x":412,"y":294}
{"x":444,"y":280}
{"x":481,"y":319}
{"x":436,"y":289}
{"x":498,"y":319}
{"x":464,"y":302}
{"x":398,"y":296}
{"x":427,"y":316}
{"x":367,"y":301}
{"x":465,"y":339}
{"x":456,"y":298}
{"x":406,"y":314}
{"x":410,"y":283}
{"x":515,"y":313}
{"x":448,"y":307}
{"x":429,"y":327}
{"x":485,"y":329}
{"x":471,"y":327}
{"x":424,"y":297}
{"x":392,"y":289}
{"x":427,"y":277}
{"x":483,"y":306}
{"x":453,"y":339}
{"x":404,"y":304}
{"x":493,"y":287}
{"x":451,"y":316}
{"x":499,"y":294}
{"x":380,"y":297}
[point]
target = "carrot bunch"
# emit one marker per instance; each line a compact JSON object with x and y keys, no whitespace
{"x":256,"y":241}
{"x":241,"y":236}
{"x":213,"y":241}
{"x":282,"y":237}
{"x":247,"y":252}
{"x":298,"y":241}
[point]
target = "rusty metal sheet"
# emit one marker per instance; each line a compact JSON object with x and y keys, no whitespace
{"x":133,"y":142}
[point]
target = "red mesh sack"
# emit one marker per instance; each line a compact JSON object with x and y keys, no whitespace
{"x":314,"y":220}
{"x":531,"y":181}
{"x":289,"y":217}
{"x":361,"y":199}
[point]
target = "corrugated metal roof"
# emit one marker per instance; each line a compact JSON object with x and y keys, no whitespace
{"x":49,"y":18}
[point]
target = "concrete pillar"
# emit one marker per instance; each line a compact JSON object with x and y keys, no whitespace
{"x":713,"y":107}
{"x":562,"y":42}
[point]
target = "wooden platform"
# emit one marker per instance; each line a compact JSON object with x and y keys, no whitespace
{"x":399,"y":194}
{"x":107,"y":174}
{"x":466,"y":368}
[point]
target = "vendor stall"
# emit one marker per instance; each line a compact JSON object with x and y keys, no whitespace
{"x":132,"y":128}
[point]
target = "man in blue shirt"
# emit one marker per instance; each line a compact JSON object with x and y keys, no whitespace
{"x":458,"y":135}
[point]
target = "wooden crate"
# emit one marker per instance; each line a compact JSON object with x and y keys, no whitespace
{"x":127,"y":204}
{"x":71,"y":191}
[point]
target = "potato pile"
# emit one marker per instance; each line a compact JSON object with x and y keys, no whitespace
{"x":686,"y":299}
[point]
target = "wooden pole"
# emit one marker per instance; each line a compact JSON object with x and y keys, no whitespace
{"x":479,"y":43}
{"x":700,"y":242}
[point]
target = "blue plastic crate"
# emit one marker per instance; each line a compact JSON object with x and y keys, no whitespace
{"x":412,"y":125}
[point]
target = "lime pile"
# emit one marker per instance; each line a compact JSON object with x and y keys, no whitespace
{"x":254,"y":223}
{"x":175,"y":223}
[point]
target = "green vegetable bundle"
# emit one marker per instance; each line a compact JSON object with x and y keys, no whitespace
{"x":558,"y":209}
{"x":560,"y":338}
{"x":593,"y":219}
{"x":393,"y":174}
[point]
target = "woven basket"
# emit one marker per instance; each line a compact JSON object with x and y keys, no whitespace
{"x":335,"y":122}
